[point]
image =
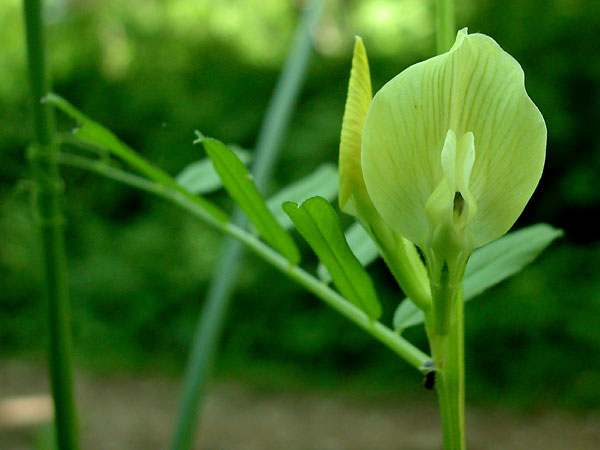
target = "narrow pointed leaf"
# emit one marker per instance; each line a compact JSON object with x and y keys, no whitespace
{"x":490,"y":265}
{"x":352,"y":185}
{"x":200,"y":177}
{"x":322,"y":182}
{"x":360,"y":244}
{"x":93,"y":133}
{"x":318,"y":223}
{"x":238,"y":183}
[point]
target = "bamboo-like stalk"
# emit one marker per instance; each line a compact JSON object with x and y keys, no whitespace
{"x":210,"y":324}
{"x":48,"y":193}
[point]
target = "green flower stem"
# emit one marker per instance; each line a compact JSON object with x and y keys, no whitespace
{"x":389,"y":338}
{"x":445,"y":324}
{"x":48,"y":194}
{"x":449,"y":364}
{"x":444,"y":25}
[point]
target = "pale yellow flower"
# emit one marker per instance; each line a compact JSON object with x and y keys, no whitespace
{"x":447,"y":153}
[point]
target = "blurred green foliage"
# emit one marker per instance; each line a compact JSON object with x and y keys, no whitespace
{"x":153,"y":71}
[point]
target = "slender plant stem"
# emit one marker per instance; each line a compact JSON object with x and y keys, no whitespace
{"x":449,"y":362}
{"x":447,"y":348}
{"x":211,"y":320}
{"x":49,"y":186}
{"x":445,"y":25}
{"x":389,"y":338}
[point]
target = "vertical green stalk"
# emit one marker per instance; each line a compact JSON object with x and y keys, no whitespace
{"x":449,"y":364}
{"x":48,"y":194}
{"x":444,"y":25}
{"x":210,"y":323}
{"x":447,"y":345}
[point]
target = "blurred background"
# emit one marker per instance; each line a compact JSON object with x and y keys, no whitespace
{"x":153,"y":71}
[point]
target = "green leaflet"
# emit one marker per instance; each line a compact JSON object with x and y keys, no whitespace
{"x":318,"y":223}
{"x":490,"y":265}
{"x":360,"y":244}
{"x":200,"y":176}
{"x":93,"y":133}
{"x":238,"y":182}
{"x":322,"y":182}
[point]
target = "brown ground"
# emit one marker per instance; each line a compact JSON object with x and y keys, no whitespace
{"x":136,"y":414}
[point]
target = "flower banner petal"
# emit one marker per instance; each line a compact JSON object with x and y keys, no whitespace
{"x":475,"y":88}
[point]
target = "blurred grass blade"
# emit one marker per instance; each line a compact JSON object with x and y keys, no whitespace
{"x":210,"y":323}
{"x":361,"y":245}
{"x":93,"y":133}
{"x":489,"y":265}
{"x":322,"y":182}
{"x":200,"y":176}
{"x":238,"y":182}
{"x":318,"y":223}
